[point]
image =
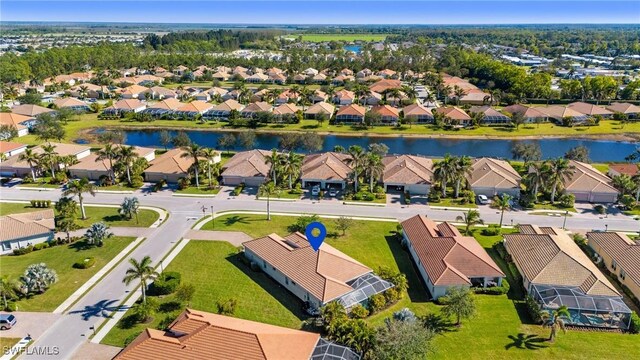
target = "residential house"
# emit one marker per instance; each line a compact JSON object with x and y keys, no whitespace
{"x":198,"y":335}
{"x":286,"y":96}
{"x":364,"y":73}
{"x":350,"y":114}
{"x":320,"y":108}
{"x":252,"y":110}
{"x":558,"y":113}
{"x":13,"y":166}
{"x":170,"y":167}
{"x":329,"y":169}
{"x":159,"y":92}
{"x":318,"y":96}
{"x":72,"y":104}
{"x":223,"y":110}
{"x":319,"y":78}
{"x":418,"y":113}
{"x":193,"y":109}
{"x":491,"y":115}
{"x":445,"y":258}
{"x":180,"y":70}
{"x":125,"y":106}
{"x":385,"y":85}
{"x":135,"y":92}
{"x":8,"y":149}
{"x":388,"y":114}
{"x":620,"y":255}
{"x":454,"y":115}
{"x":88,"y":90}
{"x":17,"y":121}
{"x":407,"y":173}
{"x":21,"y":230}
{"x":93,"y":169}
{"x":32,"y":111}
{"x":556,"y":272}
{"x":279,"y":79}
{"x":163,"y":109}
{"x":624,"y":169}
{"x":220,"y":76}
{"x":315,"y":277}
{"x":530,"y":114}
{"x":247,"y":167}
{"x":491,"y":177}
{"x":257,"y":78}
{"x":286,"y":111}
{"x":588,"y":184}
{"x":386,"y":74}
{"x":309,"y":72}
{"x":344,"y":97}
{"x":590,"y":109}
{"x":474,"y":97}
{"x":372,"y":98}
{"x":631,"y":110}
{"x":341,"y":80}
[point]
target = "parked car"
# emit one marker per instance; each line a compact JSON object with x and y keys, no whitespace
{"x":482,"y":199}
{"x":7,"y":321}
{"x":333,"y":192}
{"x":315,"y":191}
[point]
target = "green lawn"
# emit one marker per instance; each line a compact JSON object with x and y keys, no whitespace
{"x":449,"y":202}
{"x":61,"y":259}
{"x":203,"y":190}
{"x":16,"y":208}
{"x":116,"y":188}
{"x":340,"y":37}
{"x":549,"y":206}
{"x":41,"y":184}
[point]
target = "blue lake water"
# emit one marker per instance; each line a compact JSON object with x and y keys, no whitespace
{"x":600,"y":150}
{"x":355,"y":48}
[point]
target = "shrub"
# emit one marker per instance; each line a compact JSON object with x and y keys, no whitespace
{"x":158,"y":186}
{"x":166,"y":283}
{"x":185,"y":292}
{"x":534,"y":309}
{"x":238,"y":189}
{"x":227,"y":307}
{"x":164,"y":323}
{"x":580,"y":240}
{"x":634,"y":326}
{"x":169,"y":306}
{"x":600,"y":209}
{"x":11,"y":306}
{"x":60,"y":178}
{"x":297,"y":190}
{"x":434,"y":196}
{"x":468,"y":197}
{"x":492,"y":230}
{"x":142,"y":312}
{"x":183,"y":183}
{"x":40,"y":246}
{"x":359,"y":312}
{"x":567,"y":200}
{"x":378,"y":189}
{"x":377,"y":302}
{"x":85,"y":263}
{"x":255,"y":266}
{"x":23,"y":251}
{"x":392,"y":295}
{"x":137,"y":181}
{"x":33,"y":203}
{"x":494,"y":290}
{"x":302,"y":221}
{"x":527,"y":200}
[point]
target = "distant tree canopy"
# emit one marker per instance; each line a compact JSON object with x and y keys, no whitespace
{"x":220,"y":39}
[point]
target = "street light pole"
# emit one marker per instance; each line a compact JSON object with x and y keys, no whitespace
{"x":213,"y":219}
{"x":564,"y":223}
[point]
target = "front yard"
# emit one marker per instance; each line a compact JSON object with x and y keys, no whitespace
{"x":61,"y":259}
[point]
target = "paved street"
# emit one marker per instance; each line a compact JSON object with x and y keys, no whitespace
{"x":105,"y":297}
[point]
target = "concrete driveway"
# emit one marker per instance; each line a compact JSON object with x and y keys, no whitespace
{"x":33,"y":323}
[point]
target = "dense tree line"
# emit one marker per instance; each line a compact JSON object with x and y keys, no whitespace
{"x":213,"y":39}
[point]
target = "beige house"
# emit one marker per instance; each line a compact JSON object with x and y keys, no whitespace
{"x":170,"y":167}
{"x":621,"y":256}
{"x":407,"y":173}
{"x":318,"y":108}
{"x":590,"y":109}
{"x":530,"y":114}
{"x":92,"y":168}
{"x":223,"y":110}
{"x":589,"y":185}
{"x":329,"y":169}
{"x":418,"y":113}
{"x":491,"y":177}
{"x":248,"y":167}
{"x":21,"y":230}
{"x":13,"y":166}
{"x":19,"y":122}
{"x":632,"y":111}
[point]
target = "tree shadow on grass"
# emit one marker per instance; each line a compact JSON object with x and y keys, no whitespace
{"x":277,"y":291}
{"x":526,"y":341}
{"x":438,"y":324}
{"x":307,"y":127}
{"x":235,"y":219}
{"x":417,"y":290}
{"x":113,"y":218}
{"x":80,"y":245}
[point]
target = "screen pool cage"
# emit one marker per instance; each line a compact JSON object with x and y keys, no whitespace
{"x":364,"y":287}
{"x":585,"y":310}
{"x":327,"y":350}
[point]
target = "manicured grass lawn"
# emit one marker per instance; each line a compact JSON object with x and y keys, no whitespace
{"x":43,"y":184}
{"x":635,"y":211}
{"x":116,"y":188}
{"x":219,"y":274}
{"x":549,"y":206}
{"x":61,"y":259}
{"x":449,"y":202}
{"x":203,"y":190}
{"x":16,"y":208}
{"x":283,"y":194}
{"x":341,"y":37}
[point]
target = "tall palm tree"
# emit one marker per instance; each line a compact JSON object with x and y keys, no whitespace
{"x":557,"y":170}
{"x":140,"y":270}
{"x":268,"y":190}
{"x":210,"y":155}
{"x":459,"y":92}
{"x":470,"y":218}
{"x":32,"y":159}
{"x":78,"y":188}
{"x":554,"y":320}
{"x":7,"y":289}
{"x":461,"y":169}
{"x":291,"y":166}
{"x":356,"y":160}
{"x":374,"y":168}
{"x":275,"y":159}
{"x":193,"y":151}
{"x":502,"y":203}
{"x":636,"y":182}
{"x":535,"y":177}
{"x":442,"y":171}
{"x":108,"y":152}
{"x":50,"y":157}
{"x":127,"y":155}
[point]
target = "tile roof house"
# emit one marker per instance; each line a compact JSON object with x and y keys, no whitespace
{"x":17,"y":121}
{"x":72,"y":104}
{"x":590,"y":109}
{"x":626,"y":169}
{"x":388,"y":114}
{"x":254,"y":108}
{"x":9,"y":149}
{"x":223,"y":110}
{"x":159,"y":92}
{"x":21,"y":230}
{"x":419,"y":114}
{"x":491,"y":177}
{"x":286,"y":111}
{"x":329,"y":169}
{"x":351,"y":114}
{"x":558,"y":113}
{"x":384,"y":85}
{"x":633,"y":111}
{"x":445,"y":258}
{"x":530,"y":114}
{"x":193,"y":109}
{"x":589,"y":185}
{"x":92,"y":168}
{"x":344,"y":97}
{"x":198,"y":335}
{"x":317,"y":108}
{"x":474,"y":97}
{"x":248,"y":167}
{"x":620,"y":255}
{"x":13,"y":166}
{"x":165,"y":108}
{"x":315,"y":277}
{"x":557,"y":272}
{"x":125,"y":106}
{"x":170,"y":167}
{"x":134,"y":92}
{"x":455,"y":115}
{"x":407,"y":173}
{"x":30,"y":110}
{"x":491,"y":115}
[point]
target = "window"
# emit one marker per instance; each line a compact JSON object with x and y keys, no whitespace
{"x":286,"y":280}
{"x":264,"y":264}
{"x":622,"y":274}
{"x":614,"y":265}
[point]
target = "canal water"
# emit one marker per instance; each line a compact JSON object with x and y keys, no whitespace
{"x":600,"y":150}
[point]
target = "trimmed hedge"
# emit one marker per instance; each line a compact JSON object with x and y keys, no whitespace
{"x":85,"y":263}
{"x":238,"y":189}
{"x":494,"y":290}
{"x":23,"y":251}
{"x":166,"y":283}
{"x":40,"y":246}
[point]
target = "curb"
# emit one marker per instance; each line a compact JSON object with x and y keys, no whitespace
{"x":360,"y":203}
{"x":36,"y":188}
{"x":455,"y":208}
{"x":276,"y":199}
{"x":115,"y":191}
{"x":195,"y":195}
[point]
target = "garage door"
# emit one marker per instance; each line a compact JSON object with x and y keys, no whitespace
{"x":582,"y":196}
{"x":231,"y":180}
{"x":603,"y":198}
{"x":253,"y":181}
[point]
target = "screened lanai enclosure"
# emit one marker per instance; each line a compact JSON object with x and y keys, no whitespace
{"x":585,"y":310}
{"x":363,"y":287}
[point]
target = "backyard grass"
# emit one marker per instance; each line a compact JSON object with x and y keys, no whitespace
{"x":61,"y":259}
{"x":341,"y":37}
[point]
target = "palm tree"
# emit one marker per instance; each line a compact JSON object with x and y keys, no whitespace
{"x":130,"y":206}
{"x":535,"y":177}
{"x":291,"y":166}
{"x":557,"y":170}
{"x":461,"y":168}
{"x":7,"y":289}
{"x":127,"y":155}
{"x":268,"y":190}
{"x":442,"y":171}
{"x":274,"y":160}
{"x":470,"y":218}
{"x":32,"y":160}
{"x":459,"y":92}
{"x":636,"y":183}
{"x":554,"y":320}
{"x":374,"y":168}
{"x":140,"y":270}
{"x":108,"y":152}
{"x":193,"y":151}
{"x":210,"y":155}
{"x":77,"y":188}
{"x":356,"y":160}
{"x":502,"y":203}
{"x":50,"y":157}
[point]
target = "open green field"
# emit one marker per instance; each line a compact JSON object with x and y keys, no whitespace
{"x":61,"y":259}
{"x":341,"y":37}
{"x":109,"y":215}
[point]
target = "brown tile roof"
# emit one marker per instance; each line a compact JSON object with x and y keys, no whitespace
{"x":628,"y":169}
{"x":585,"y":177}
{"x":323,"y":273}
{"x":589,"y":109}
{"x":228,"y":106}
{"x":134,"y":90}
{"x":454,"y":113}
{"x":386,"y":111}
{"x":352,"y":109}
{"x":14,"y":120}
{"x":415,"y":110}
{"x":624,"y":251}
{"x":61,"y":149}
{"x":171,"y":162}
{"x":250,"y":163}
{"x":163,"y":91}
{"x":326,"y":166}
{"x":407,"y":169}
{"x":555,"y":259}
{"x":625,"y":108}
{"x":493,"y":173}
{"x":559,"y":112}
{"x":260,"y":106}
{"x":34,"y":223}
{"x":92,"y":163}
{"x":385,"y":84}
{"x":286,"y":109}
{"x":167,"y":104}
{"x":526,"y":111}
{"x":198,"y":335}
{"x":321,"y":107}
{"x":128,"y":104}
{"x":447,"y":257}
{"x":69,"y":101}
{"x":487,"y":111}
{"x":8,"y":146}
{"x":196,"y":106}
{"x":345,"y":94}
{"x":30,"y":110}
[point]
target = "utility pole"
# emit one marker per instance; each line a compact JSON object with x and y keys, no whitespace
{"x":564,"y":223}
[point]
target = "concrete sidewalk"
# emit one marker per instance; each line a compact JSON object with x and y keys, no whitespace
{"x":235,"y":238}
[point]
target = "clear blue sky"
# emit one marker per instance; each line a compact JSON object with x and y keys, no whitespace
{"x":325,"y":12}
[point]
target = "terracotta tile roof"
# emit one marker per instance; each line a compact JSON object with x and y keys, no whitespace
{"x":407,"y":169}
{"x":167,"y":104}
{"x":416,"y":110}
{"x":559,"y":112}
{"x":128,"y":104}
{"x":447,"y":257}
{"x":15,"y":120}
{"x":454,"y":113}
{"x":326,"y":166}
{"x":555,"y":259}
{"x":321,"y":107}
{"x":163,"y":91}
{"x":385,"y":84}
{"x":493,"y":173}
{"x":589,"y":109}
{"x":625,"y":108}
{"x":30,"y":110}
{"x":8,"y":146}
{"x":476,"y":95}
{"x":134,"y":90}
{"x":324,"y":273}
{"x":170,"y":162}
{"x":386,"y":111}
{"x":351,"y":109}
{"x":69,"y":101}
{"x":345,"y":95}
{"x":24,"y":225}
{"x":487,"y":111}
{"x":197,"y":335}
{"x":250,"y":163}
{"x":585,"y":177}
{"x":61,"y":149}
{"x":259,"y":106}
{"x":216,"y":90}
{"x":628,"y":169}
{"x":624,"y":251}
{"x":526,"y":111}
{"x":286,"y":109}
{"x":228,"y":106}
{"x":91,"y":162}
{"x":196,"y":106}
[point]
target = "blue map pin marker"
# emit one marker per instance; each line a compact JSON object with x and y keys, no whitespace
{"x":314,"y":240}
